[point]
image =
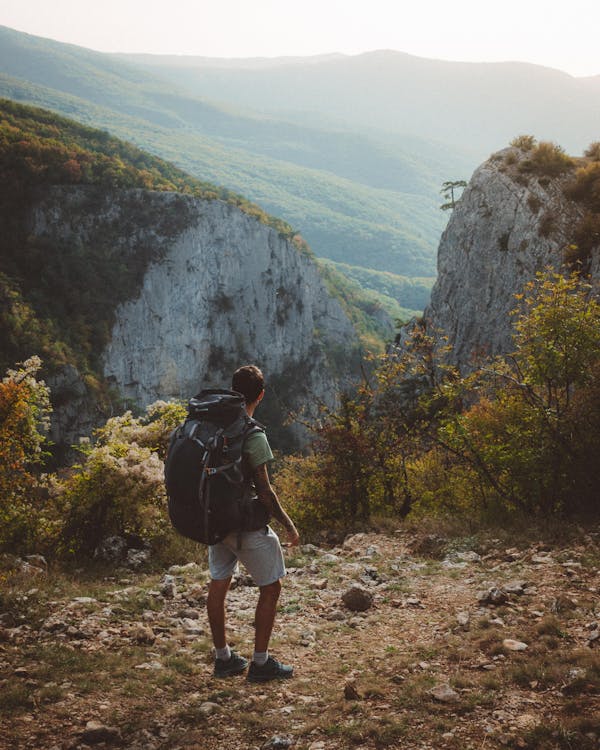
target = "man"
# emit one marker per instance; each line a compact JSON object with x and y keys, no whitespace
{"x":259,"y":551}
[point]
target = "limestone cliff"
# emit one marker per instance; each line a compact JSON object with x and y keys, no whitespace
{"x":507,"y":226}
{"x":217,"y":289}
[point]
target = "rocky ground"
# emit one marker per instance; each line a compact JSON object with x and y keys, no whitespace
{"x":401,"y":642}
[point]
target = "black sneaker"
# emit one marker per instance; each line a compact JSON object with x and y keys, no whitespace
{"x":270,"y":670}
{"x":229,"y":667}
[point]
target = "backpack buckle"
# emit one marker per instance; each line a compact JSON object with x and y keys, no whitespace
{"x":210,"y":472}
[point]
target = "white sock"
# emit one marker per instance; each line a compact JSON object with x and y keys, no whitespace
{"x":260,"y":658}
{"x":223,"y":653}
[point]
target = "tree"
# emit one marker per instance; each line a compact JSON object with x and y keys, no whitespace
{"x":447,"y":191}
{"x":533,"y":433}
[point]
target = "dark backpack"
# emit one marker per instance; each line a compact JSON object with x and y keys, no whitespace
{"x":210,"y":489}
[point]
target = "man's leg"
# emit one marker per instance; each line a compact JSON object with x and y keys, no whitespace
{"x":215,"y":606}
{"x":265,"y":615}
{"x":227,"y":662}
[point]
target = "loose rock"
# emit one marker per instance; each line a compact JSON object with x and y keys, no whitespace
{"x":493,"y":595}
{"x":96,"y":732}
{"x":357,"y":599}
{"x":168,"y":588}
{"x":511,"y":645}
{"x":444,"y":694}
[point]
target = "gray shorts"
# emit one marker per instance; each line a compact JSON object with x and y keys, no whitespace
{"x":260,"y":553}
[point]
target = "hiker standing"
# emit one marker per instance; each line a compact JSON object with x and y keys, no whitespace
{"x":259,"y":551}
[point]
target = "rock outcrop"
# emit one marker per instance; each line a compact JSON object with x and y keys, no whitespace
{"x":217,"y":289}
{"x":506,"y":227}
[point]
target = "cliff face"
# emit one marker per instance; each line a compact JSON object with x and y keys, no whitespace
{"x":217,"y":289}
{"x":506,"y":227}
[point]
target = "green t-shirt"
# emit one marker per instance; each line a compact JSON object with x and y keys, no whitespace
{"x":257,"y":450}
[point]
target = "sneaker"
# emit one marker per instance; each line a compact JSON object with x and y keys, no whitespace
{"x":229,"y":667}
{"x":270,"y":670}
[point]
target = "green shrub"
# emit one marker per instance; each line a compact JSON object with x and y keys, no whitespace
{"x":119,"y":488}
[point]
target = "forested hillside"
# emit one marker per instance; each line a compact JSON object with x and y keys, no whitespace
{"x":362,"y":200}
{"x":62,"y":309}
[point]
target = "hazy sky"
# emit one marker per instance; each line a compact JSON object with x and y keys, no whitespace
{"x":561,"y":35}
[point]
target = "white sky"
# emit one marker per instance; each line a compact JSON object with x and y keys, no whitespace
{"x":562,"y":35}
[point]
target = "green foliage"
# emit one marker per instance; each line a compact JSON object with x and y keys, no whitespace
{"x":119,"y":488}
{"x":359,"y":464}
{"x":39,"y":147}
{"x":24,"y":420}
{"x":522,"y":440}
{"x":547,"y":160}
{"x":518,"y":435}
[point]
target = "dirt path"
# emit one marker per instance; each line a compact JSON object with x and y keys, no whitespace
{"x":430,"y":664}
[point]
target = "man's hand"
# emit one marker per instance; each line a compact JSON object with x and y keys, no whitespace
{"x":293,"y":537}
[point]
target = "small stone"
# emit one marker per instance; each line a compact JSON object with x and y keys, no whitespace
{"x":444,"y":694}
{"x":329,"y":558}
{"x":196,"y":593}
{"x":317,"y":745}
{"x":84,"y":600}
{"x":357,"y":599}
{"x":143,"y":634}
{"x":512,"y":645}
{"x":149,"y":665}
{"x":468,"y":556}
{"x":413,"y":601}
{"x":515,"y":587}
{"x":208,"y":709}
{"x":320,"y":584}
{"x":190,"y":567}
{"x":137,"y":558}
{"x":336,"y":615}
{"x":562,"y":603}
{"x":189,"y":613}
{"x":96,"y":732}
{"x":462,"y":618}
{"x":278,"y":743}
{"x":21,"y":672}
{"x":350,"y":691}
{"x":168,"y":588}
{"x":493,"y":595}
{"x":526,"y":722}
{"x":542,"y":560}
{"x":112,"y":549}
{"x":191,"y":627}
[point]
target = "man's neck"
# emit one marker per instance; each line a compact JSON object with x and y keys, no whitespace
{"x":250,"y":408}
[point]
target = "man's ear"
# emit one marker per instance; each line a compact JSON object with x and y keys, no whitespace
{"x":260,"y":396}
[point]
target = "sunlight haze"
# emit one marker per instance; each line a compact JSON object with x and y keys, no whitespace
{"x":466,"y":30}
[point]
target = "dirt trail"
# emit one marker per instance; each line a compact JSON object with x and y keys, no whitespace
{"x":468,"y":644}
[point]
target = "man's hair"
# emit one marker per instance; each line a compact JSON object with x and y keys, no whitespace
{"x":249,"y":381}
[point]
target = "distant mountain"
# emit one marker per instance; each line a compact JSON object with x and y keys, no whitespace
{"x":472,"y":106}
{"x":360,"y":200}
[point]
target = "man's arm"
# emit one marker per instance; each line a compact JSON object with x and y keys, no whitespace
{"x":268,"y":497}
